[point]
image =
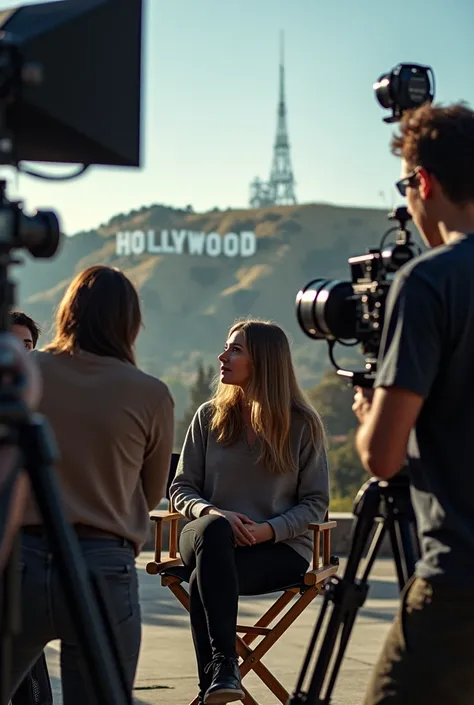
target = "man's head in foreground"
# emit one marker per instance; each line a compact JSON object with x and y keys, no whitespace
{"x":436,"y":145}
{"x":25,"y":329}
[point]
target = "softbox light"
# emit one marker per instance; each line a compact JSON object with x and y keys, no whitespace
{"x":86,"y":106}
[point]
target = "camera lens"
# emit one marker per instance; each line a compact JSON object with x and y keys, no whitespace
{"x":326,"y":310}
{"x":414,"y":87}
{"x":382,"y":90}
{"x":40,"y":234}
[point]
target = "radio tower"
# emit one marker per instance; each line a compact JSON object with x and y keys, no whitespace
{"x":279,"y":190}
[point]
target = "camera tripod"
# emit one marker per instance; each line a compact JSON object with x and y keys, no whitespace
{"x":84,"y":591}
{"x":385,"y":505}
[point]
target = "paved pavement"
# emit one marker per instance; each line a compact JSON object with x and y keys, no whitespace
{"x":166,"y":673}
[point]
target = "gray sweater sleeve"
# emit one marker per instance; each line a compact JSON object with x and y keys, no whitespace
{"x":187,"y":486}
{"x":313,"y":492}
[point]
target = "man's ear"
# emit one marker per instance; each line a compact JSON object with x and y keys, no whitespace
{"x":425,"y":181}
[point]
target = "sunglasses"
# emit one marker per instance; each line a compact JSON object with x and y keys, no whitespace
{"x":405,"y":183}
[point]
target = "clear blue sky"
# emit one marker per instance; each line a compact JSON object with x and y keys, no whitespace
{"x":211,"y":94}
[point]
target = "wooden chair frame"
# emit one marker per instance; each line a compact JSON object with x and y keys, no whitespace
{"x":323,"y":567}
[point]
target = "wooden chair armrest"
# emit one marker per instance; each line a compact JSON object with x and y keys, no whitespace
{"x":159,"y":516}
{"x":320,"y":576}
{"x":322,"y":525}
{"x":164,"y":515}
{"x":322,"y":530}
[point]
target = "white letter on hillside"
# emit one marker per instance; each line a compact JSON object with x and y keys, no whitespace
{"x":230,"y":245}
{"x":122,"y":244}
{"x":195,"y":243}
{"x":138,"y":242}
{"x":213,"y":244}
{"x":165,"y":245}
{"x":248,"y":244}
{"x":152,"y":247}
{"x":178,"y":237}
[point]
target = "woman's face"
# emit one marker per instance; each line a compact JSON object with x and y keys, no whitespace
{"x":235,"y":361}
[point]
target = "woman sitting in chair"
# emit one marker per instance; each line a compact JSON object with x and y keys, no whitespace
{"x":252,"y":475}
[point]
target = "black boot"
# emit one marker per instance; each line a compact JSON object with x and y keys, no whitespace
{"x":202,"y":692}
{"x":205,"y":679}
{"x":226,"y":686}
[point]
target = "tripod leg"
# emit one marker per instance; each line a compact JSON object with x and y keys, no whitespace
{"x":376,"y":499}
{"x":350,"y":619}
{"x":401,"y":536}
{"x":10,"y":618}
{"x":104,"y":670}
{"x":347,"y":596}
{"x":345,"y":636}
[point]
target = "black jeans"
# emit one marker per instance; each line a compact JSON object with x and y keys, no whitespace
{"x":220,"y":572}
{"x":45,"y":614}
{"x":35,"y":688}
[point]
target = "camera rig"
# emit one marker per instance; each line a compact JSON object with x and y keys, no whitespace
{"x":352,"y":312}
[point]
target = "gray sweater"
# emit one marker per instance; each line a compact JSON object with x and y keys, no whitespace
{"x":230,"y":477}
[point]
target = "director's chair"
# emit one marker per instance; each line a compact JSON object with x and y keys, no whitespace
{"x":173,"y":574}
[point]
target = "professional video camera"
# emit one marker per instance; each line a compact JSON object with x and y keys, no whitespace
{"x":70,"y":92}
{"x":352,"y":312}
{"x":345,"y":311}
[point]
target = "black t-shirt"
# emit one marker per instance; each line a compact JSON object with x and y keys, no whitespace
{"x":428,"y":348}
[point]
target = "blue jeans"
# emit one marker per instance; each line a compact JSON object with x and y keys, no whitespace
{"x":45,"y":614}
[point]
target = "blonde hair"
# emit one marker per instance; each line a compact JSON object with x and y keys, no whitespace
{"x":273,"y":394}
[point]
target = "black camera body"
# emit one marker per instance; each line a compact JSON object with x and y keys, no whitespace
{"x":406,"y":86}
{"x":372,"y":275}
{"x":352,"y":312}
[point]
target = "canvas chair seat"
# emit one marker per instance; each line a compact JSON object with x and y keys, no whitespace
{"x":183,"y":574}
{"x":173,"y":574}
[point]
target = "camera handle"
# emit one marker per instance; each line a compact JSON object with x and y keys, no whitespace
{"x":356,"y":378}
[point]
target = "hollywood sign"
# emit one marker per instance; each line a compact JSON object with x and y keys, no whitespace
{"x":178,"y":242}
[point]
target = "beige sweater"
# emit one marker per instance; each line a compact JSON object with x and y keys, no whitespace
{"x":113,"y":425}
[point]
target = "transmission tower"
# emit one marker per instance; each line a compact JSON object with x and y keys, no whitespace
{"x":279,"y":190}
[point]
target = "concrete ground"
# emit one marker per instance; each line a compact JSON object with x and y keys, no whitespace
{"x":166,"y":672}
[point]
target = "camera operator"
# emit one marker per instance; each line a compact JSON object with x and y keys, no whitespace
{"x":113,"y":425}
{"x":423,"y":409}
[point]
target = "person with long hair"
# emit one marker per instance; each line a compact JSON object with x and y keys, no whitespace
{"x":113,"y":425}
{"x":252,"y":475}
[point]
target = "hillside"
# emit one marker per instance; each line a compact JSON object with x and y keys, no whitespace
{"x":190,"y":301}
